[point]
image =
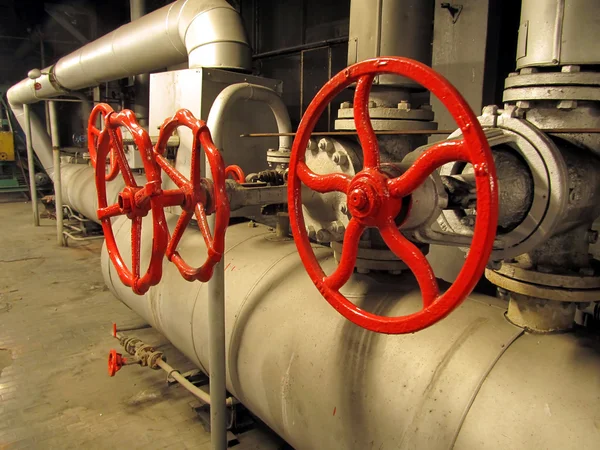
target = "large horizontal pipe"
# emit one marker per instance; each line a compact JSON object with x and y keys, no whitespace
{"x":472,"y":380}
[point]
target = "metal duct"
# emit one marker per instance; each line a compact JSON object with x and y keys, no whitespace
{"x":207,"y":33}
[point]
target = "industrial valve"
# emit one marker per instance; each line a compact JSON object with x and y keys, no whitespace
{"x":200,"y":195}
{"x":377,"y":199}
{"x":93,"y":133}
{"x":115,"y":362}
{"x":134,"y":201}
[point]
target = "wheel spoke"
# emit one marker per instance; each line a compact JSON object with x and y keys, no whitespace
{"x":117,"y":148}
{"x":136,"y":240}
{"x":203,"y":225}
{"x":414,"y":259}
{"x":195,"y":162}
{"x":180,"y":227}
{"x":172,"y":173}
{"x":109,"y":211}
{"x":432,"y":158}
{"x":362,"y":120}
{"x":323,"y":183}
{"x":348,"y":258}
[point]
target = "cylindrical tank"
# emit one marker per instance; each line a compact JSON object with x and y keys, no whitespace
{"x":559,"y":33}
{"x":390,"y":28}
{"x":471,"y":381}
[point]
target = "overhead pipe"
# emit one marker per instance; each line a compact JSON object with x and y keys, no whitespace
{"x":207,"y":33}
{"x":141,"y":86}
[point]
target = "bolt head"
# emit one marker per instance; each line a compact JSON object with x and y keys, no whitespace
{"x":404,"y":105}
{"x":490,"y":110}
{"x":312,"y":145}
{"x":345,"y":105}
{"x":567,"y":104}
{"x":312,"y":233}
{"x":340,"y":158}
{"x":570,"y":69}
{"x":523,"y":104}
{"x":325,"y":145}
{"x":372,"y":104}
{"x":323,"y":235}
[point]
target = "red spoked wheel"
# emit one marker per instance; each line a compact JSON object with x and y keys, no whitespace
{"x":134,"y":201}
{"x":101,"y":110}
{"x":375,"y":199}
{"x":236,"y":173}
{"x":201,"y":196}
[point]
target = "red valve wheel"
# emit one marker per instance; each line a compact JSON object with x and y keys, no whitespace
{"x":134,"y":201}
{"x":115,"y":362}
{"x":375,"y":200}
{"x":236,"y":173}
{"x":93,"y":133}
{"x":201,"y":196}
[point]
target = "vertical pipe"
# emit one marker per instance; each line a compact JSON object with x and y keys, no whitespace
{"x":57,"y":179}
{"x":43,"y":62}
{"x":216,"y":349}
{"x":31,"y":167}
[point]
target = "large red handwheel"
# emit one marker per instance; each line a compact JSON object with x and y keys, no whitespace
{"x":134,"y":201}
{"x":100,"y":111}
{"x":202,"y":196}
{"x":375,"y":199}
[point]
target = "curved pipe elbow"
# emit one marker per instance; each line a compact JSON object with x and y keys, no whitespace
{"x":245,"y":92}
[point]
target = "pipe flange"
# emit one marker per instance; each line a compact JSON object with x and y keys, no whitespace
{"x":153,"y":358}
{"x":388,"y":125}
{"x":550,"y":178}
{"x":517,"y":271}
{"x":556,"y":93}
{"x":280,"y":156}
{"x":540,"y":291}
{"x":552,"y":79}
{"x":400,"y":113}
{"x":368,"y":259}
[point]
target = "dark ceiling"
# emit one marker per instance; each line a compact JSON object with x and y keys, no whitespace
{"x":63,"y":26}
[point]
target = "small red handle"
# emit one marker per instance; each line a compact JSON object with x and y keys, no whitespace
{"x":115,"y":362}
{"x":200,"y":196}
{"x":376,"y":200}
{"x":236,"y":173}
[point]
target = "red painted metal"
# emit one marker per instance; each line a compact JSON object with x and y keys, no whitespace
{"x":375,"y":199}
{"x":101,"y":111}
{"x":134,"y":201}
{"x":199,"y":196}
{"x":115,"y":362}
{"x":236,"y":173}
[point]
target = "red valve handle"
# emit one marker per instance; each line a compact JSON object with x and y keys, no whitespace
{"x":93,"y":133}
{"x":236,"y":173}
{"x":115,"y":362}
{"x":201,"y":196}
{"x":134,"y":201}
{"x":375,"y":200}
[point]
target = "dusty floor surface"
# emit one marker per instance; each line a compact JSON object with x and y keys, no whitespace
{"x":55,"y":320}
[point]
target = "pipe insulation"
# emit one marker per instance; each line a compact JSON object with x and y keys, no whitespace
{"x":206,"y":33}
{"x":472,"y":380}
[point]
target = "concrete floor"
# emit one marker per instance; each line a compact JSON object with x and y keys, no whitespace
{"x":55,"y":321}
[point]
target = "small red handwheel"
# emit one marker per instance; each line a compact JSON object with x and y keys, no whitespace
{"x":115,"y":362}
{"x":100,"y":111}
{"x":134,"y":201}
{"x":201,"y":196}
{"x":236,"y":173}
{"x":375,"y":199}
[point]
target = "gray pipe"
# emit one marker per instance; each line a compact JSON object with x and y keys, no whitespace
{"x":31,"y":167}
{"x":137,"y":9}
{"x":246,"y":92}
{"x":472,"y":380}
{"x":207,"y":33}
{"x":60,"y":239}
